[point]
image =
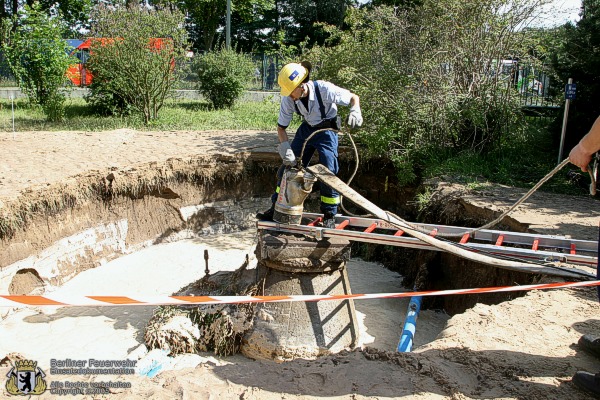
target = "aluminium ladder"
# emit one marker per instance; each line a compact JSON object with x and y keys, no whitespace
{"x":498,"y":248}
{"x":524,"y":246}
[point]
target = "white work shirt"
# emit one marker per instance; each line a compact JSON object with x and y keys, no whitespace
{"x":331,"y":95}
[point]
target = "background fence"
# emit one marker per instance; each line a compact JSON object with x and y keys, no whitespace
{"x":534,"y":85}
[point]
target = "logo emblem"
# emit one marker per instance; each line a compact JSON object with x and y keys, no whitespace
{"x":25,"y":378}
{"x":294,"y":75}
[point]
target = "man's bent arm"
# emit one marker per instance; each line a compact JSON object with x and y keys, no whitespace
{"x":282,"y":134}
{"x":581,"y":155}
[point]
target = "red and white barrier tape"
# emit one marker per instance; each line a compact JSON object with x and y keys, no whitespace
{"x":68,"y":300}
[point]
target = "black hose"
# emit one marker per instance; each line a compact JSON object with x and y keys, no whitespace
{"x":355,"y":166}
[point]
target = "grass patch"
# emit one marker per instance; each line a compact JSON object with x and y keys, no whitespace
{"x":522,"y":161}
{"x":175,"y":115}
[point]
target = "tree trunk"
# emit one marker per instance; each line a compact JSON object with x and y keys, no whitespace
{"x":208,"y":41}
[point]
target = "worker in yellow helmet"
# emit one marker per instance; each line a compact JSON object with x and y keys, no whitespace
{"x":316,"y":102}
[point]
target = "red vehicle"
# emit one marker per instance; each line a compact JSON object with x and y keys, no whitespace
{"x":79,"y":75}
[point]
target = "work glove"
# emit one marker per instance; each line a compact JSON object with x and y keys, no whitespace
{"x":355,"y":118}
{"x":286,"y":153}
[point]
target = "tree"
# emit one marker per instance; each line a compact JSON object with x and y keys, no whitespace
{"x":135,"y":53}
{"x":304,"y":19}
{"x":38,"y":58}
{"x":430,"y":77}
{"x":578,"y":57}
{"x":257,"y":24}
{"x":205,"y":18}
{"x":75,"y":13}
{"x":406,"y":4}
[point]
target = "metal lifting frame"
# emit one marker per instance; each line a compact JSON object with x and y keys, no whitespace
{"x":547,"y":248}
{"x":497,"y":248}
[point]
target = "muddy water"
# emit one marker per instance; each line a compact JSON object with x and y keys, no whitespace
{"x":43,"y":333}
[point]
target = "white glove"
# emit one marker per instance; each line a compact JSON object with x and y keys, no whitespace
{"x":286,"y":153}
{"x":355,"y":118}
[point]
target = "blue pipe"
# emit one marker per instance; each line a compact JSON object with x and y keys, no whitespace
{"x":410,"y":325}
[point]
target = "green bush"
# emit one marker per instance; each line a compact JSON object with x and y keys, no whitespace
{"x":38,"y":59}
{"x":54,"y":108}
{"x":133,"y":55}
{"x":428,"y":78}
{"x":222,"y":76}
{"x":104,"y":100}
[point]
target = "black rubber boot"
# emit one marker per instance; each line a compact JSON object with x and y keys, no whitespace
{"x":329,"y":220}
{"x":588,"y":382}
{"x":590,"y":344}
{"x":266,"y":215}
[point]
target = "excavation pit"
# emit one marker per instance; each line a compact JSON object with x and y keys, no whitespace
{"x":522,"y":347}
{"x":146,"y":234}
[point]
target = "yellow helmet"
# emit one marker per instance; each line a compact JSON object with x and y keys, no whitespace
{"x":290,"y":77}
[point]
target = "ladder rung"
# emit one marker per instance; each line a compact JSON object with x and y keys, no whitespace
{"x":500,"y":240}
{"x":506,"y":240}
{"x":371,"y":228}
{"x":343,"y":224}
{"x":314,"y":221}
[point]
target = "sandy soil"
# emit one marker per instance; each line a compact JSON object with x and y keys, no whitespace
{"x":37,"y":159}
{"x":117,"y":332}
{"x":520,"y":349}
